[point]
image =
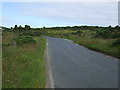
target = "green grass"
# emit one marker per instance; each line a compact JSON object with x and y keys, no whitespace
{"x":7,"y":38}
{"x":97,"y":44}
{"x":24,"y":66}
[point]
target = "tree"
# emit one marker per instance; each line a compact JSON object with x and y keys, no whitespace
{"x":44,"y":27}
{"x":20,"y":27}
{"x":110,"y":26}
{"x":15,"y":27}
{"x":11,"y":28}
{"x":117,"y":27}
{"x":27,"y":27}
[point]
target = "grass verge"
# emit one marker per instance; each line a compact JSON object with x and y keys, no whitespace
{"x":97,"y":44}
{"x":24,"y":66}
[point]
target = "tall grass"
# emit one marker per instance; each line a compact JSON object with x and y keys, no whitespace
{"x":24,"y":66}
{"x":97,"y":44}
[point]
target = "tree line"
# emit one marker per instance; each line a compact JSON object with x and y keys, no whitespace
{"x":27,"y":27}
{"x":16,"y":27}
{"x":100,"y":32}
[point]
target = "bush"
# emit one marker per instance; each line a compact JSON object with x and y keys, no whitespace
{"x":104,"y":34}
{"x":24,"y":40}
{"x":116,"y":42}
{"x":79,"y":32}
{"x":30,"y":34}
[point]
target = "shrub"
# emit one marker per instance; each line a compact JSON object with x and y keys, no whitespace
{"x":24,"y":40}
{"x":116,"y":42}
{"x":104,"y":34}
{"x":30,"y":34}
{"x":79,"y":32}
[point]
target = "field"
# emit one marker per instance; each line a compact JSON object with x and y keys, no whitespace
{"x":23,"y":65}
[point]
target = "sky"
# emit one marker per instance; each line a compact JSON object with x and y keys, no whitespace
{"x":50,"y":14}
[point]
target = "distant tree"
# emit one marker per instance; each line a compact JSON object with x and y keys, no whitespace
{"x":5,"y":28}
{"x":110,"y":26}
{"x":11,"y":28}
{"x":117,"y":27}
{"x":15,"y":27}
{"x":27,"y":27}
{"x":44,"y":27}
{"x":20,"y":27}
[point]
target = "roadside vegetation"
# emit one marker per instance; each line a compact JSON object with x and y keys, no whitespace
{"x":23,"y":50}
{"x":23,"y":61}
{"x":102,"y":39}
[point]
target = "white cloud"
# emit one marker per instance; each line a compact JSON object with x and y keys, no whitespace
{"x":96,"y":13}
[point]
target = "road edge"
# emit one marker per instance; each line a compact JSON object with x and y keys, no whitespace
{"x":93,"y":50}
{"x":48,"y":71}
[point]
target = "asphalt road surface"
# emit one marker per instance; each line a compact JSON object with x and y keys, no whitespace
{"x":74,"y":66}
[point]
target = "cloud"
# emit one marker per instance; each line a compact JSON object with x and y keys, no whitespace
{"x":96,"y":13}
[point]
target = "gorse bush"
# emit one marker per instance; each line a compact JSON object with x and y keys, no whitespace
{"x":30,"y":34}
{"x":24,"y":40}
{"x":107,"y":34}
{"x":116,"y":42}
{"x":79,"y":32}
{"x":104,"y":34}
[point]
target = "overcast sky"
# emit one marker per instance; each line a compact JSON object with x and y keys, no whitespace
{"x":59,"y":14}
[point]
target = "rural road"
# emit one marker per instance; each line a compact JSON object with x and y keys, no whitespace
{"x":75,"y":66}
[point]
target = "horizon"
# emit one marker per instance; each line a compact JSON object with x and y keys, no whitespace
{"x":60,"y":26}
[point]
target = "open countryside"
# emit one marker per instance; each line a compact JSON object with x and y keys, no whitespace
{"x":60,"y":45}
{"x":24,"y":61}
